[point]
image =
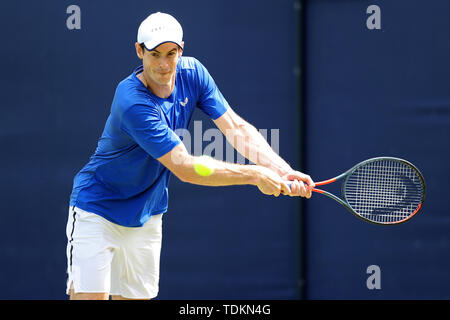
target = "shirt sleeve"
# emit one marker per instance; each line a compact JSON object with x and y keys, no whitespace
{"x":211,"y":100}
{"x":144,"y":125}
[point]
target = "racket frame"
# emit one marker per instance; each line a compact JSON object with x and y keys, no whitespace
{"x":346,"y":175}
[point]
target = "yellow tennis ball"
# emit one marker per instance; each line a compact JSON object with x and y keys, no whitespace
{"x":203,"y":167}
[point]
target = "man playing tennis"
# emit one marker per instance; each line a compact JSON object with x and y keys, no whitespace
{"x":119,"y":197}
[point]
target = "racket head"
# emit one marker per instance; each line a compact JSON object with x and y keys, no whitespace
{"x":384,"y":190}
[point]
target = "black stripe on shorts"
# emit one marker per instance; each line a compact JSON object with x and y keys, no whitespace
{"x":71,"y":237}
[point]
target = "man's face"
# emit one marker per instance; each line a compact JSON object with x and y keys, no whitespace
{"x":160,"y":64}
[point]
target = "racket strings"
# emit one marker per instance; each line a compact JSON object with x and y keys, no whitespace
{"x":384,"y":191}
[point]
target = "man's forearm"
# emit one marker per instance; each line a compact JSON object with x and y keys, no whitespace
{"x":252,"y":145}
{"x":220,"y":173}
{"x":223,"y":174}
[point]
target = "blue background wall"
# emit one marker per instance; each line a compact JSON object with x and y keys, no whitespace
{"x":365,"y":93}
{"x":370,"y":93}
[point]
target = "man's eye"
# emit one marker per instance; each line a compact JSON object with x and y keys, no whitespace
{"x":154,"y":54}
{"x":171,"y":53}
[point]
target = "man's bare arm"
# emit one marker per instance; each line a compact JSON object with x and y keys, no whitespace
{"x":181,"y":164}
{"x":251,"y":144}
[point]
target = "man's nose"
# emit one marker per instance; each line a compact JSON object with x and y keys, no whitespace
{"x":163,"y":63}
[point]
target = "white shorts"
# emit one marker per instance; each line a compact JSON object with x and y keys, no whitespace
{"x":104,"y":257}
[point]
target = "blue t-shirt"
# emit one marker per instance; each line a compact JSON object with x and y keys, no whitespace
{"x":123,"y":181}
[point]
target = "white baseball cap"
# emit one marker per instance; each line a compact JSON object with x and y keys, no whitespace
{"x":159,"y":28}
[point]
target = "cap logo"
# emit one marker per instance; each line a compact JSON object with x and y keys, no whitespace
{"x":156,"y":29}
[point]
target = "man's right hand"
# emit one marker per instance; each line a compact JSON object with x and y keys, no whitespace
{"x":270,"y":183}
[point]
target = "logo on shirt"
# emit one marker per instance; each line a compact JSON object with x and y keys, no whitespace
{"x":185,"y":102}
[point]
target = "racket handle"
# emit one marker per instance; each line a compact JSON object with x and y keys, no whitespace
{"x":313,"y":189}
{"x":321,"y":183}
{"x":289,"y":184}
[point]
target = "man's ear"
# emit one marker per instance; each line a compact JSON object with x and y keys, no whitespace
{"x":182,"y":48}
{"x":139,"y":51}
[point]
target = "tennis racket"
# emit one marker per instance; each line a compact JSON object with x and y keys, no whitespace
{"x":381,"y":190}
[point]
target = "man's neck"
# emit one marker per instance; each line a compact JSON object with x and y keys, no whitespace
{"x":162,"y":91}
